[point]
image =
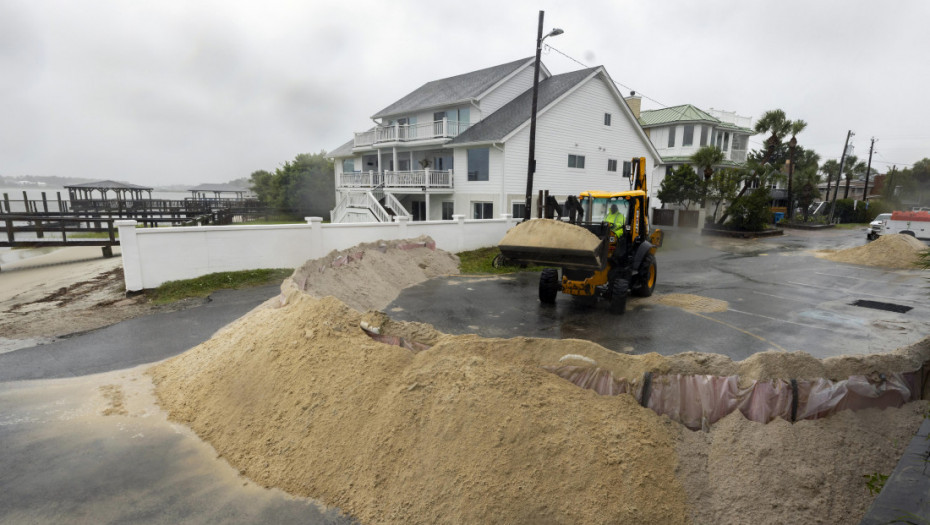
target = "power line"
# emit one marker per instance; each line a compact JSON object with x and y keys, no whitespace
{"x":681,"y":112}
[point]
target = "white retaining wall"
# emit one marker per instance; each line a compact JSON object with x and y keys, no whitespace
{"x":152,"y":256}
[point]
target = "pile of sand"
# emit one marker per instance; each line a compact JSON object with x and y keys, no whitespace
{"x":370,"y":276}
{"x":888,"y":251}
{"x":551,"y":233}
{"x":474,"y":430}
{"x":470,"y":431}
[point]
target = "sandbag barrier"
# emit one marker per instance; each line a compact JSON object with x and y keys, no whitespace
{"x":698,"y":401}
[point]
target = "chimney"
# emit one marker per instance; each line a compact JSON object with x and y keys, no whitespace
{"x":635,"y":102}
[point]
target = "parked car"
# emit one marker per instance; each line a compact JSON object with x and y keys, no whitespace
{"x":875,"y":227}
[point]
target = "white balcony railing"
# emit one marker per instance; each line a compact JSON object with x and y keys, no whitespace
{"x":423,"y":179}
{"x":410,"y":132}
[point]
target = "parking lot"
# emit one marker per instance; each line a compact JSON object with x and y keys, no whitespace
{"x":780,"y":296}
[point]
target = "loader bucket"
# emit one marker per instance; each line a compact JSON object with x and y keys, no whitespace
{"x":550,"y":242}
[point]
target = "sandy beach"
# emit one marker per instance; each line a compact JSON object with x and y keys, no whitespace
{"x":50,"y":293}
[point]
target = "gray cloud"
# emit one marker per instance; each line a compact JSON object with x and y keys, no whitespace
{"x":183,"y":92}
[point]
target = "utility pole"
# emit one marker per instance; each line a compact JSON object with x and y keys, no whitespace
{"x":890,"y":182}
{"x":868,"y":171}
{"x":849,"y":135}
{"x":531,"y":163}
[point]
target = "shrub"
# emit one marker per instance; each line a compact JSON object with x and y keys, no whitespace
{"x":751,"y":212}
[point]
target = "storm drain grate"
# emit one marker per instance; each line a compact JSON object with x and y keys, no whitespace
{"x":888,"y":307}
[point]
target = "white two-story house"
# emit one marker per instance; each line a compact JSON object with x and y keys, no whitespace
{"x":460,"y":145}
{"x":679,"y":131}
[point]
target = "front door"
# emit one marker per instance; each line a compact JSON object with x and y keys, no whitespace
{"x":418,"y":210}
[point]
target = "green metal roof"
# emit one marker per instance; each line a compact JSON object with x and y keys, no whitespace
{"x":726,"y":126}
{"x":687,"y":160}
{"x":683,"y":113}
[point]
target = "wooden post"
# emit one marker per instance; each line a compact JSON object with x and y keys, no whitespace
{"x":6,"y":201}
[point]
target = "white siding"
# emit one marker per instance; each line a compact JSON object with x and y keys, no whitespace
{"x":506,"y":92}
{"x":576,"y":126}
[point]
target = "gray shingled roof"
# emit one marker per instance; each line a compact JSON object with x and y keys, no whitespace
{"x":342,"y":151}
{"x":447,"y":91}
{"x":500,"y":123}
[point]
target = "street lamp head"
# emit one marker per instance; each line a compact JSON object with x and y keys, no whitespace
{"x":555,"y":32}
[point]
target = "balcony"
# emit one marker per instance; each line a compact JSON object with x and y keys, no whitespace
{"x":440,"y":129}
{"x":397,"y":180}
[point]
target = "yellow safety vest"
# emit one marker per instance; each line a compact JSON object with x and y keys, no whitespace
{"x":616,"y":221}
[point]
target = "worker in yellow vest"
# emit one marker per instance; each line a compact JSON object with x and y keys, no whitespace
{"x":615,"y":219}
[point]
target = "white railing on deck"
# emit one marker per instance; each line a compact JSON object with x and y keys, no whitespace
{"x":391,"y":201}
{"x":411,"y":132}
{"x":397,"y":179}
{"x":336,"y":214}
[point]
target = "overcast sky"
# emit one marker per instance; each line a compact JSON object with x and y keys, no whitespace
{"x":185,"y":92}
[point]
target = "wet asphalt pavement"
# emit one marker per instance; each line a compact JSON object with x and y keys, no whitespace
{"x":62,"y":460}
{"x":781,"y":297}
{"x":133,"y":342}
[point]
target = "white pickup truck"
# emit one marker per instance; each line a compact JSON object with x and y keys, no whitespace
{"x":913,"y":223}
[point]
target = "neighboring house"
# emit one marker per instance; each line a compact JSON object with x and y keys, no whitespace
{"x":460,"y":146}
{"x":679,"y":131}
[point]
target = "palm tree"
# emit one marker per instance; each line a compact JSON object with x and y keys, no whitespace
{"x":832,"y":169}
{"x":796,"y":127}
{"x":854,"y":167}
{"x":777,"y":124}
{"x":706,"y":158}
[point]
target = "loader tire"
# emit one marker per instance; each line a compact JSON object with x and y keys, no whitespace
{"x":646,"y":277}
{"x":618,"y":290}
{"x":549,"y":285}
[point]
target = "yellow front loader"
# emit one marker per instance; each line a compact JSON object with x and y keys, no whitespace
{"x":591,"y":256}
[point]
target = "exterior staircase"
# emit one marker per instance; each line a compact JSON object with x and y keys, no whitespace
{"x":368,"y":206}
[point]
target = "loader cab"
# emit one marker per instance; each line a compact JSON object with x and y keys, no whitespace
{"x":596,"y":209}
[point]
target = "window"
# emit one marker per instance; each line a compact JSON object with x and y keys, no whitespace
{"x":688,"y":137}
{"x":719,"y":139}
{"x":671,"y":137}
{"x":448,"y":208}
{"x":703,"y":135}
{"x":611,"y":164}
{"x":348,"y":165}
{"x":576,"y":161}
{"x":726,"y":141}
{"x":518,"y":209}
{"x":483,"y":210}
{"x":606,"y":119}
{"x":478,"y":164}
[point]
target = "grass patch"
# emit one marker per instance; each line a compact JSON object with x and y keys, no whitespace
{"x":93,"y":235}
{"x":482,"y":261}
{"x":203,"y":286}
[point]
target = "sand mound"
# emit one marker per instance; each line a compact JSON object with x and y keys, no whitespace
{"x":689,"y":302}
{"x":370,"y":276}
{"x":550,"y":232}
{"x":888,"y":251}
{"x":470,"y":431}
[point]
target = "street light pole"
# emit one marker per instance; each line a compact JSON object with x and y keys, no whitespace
{"x":531,"y":164}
